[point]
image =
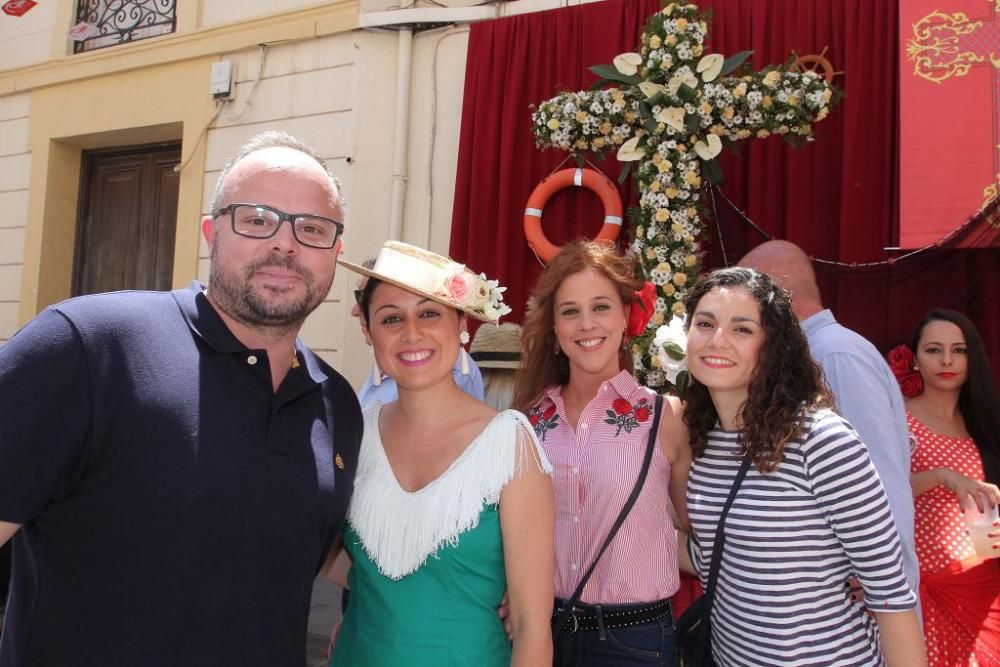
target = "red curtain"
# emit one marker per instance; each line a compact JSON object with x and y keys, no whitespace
{"x":834,"y":197}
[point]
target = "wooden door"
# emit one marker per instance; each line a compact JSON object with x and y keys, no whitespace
{"x":127,"y":219}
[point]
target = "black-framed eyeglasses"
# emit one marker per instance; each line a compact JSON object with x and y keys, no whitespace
{"x":257,"y":221}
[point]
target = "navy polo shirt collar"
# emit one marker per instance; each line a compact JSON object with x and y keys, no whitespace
{"x":205,"y":323}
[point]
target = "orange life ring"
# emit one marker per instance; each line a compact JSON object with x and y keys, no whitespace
{"x":588,"y":178}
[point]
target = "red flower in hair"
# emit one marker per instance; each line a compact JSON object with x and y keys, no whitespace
{"x":642,"y":310}
{"x":901,"y":362}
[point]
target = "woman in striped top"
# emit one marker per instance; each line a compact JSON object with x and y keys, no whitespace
{"x":811,"y":512}
{"x":593,"y":420}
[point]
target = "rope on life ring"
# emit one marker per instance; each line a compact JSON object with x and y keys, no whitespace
{"x":594,"y":181}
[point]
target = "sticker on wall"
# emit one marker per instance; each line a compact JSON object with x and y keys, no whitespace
{"x":17,"y":7}
{"x":83,"y":31}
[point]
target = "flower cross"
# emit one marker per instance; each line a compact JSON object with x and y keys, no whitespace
{"x":670,"y":116}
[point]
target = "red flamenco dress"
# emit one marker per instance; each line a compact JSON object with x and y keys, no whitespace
{"x":959,"y":591}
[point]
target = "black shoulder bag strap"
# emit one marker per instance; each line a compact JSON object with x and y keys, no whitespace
{"x":720,"y":538}
{"x":650,"y":446}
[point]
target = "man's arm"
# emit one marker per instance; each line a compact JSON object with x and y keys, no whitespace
{"x":7,"y":531}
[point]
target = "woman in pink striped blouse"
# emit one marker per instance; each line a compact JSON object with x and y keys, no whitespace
{"x":593,"y":420}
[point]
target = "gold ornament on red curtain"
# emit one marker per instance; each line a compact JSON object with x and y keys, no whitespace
{"x":672,"y":111}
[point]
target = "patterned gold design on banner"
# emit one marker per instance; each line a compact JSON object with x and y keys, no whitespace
{"x":935,"y":49}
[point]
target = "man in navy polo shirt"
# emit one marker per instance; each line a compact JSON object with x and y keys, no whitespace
{"x":174,"y":466}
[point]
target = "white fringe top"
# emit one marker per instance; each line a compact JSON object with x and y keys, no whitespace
{"x":400,"y":529}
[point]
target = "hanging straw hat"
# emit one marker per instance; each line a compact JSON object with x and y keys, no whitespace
{"x":436,"y":277}
{"x":497,"y":347}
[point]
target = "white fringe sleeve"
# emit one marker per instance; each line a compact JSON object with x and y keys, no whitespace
{"x":400,"y":530}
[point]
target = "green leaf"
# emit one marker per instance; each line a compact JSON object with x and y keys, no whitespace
{"x":713,"y":171}
{"x":601,"y":83}
{"x":651,"y":125}
{"x":686,"y":92}
{"x":626,"y":170}
{"x":579,"y":159}
{"x":692,"y":123}
{"x":674,"y":351}
{"x":611,"y":74}
{"x":734,"y":61}
{"x":682,"y":383}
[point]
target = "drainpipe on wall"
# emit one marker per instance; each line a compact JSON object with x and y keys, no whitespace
{"x":401,"y":137}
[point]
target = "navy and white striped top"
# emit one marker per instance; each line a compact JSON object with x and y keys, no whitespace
{"x":793,"y":537}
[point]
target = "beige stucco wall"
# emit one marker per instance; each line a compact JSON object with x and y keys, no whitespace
{"x":15,"y":164}
{"x":25,"y":40}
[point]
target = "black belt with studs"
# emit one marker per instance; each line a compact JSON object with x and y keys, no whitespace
{"x":587,"y":617}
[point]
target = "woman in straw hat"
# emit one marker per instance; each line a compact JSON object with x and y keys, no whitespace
{"x":453,"y":503}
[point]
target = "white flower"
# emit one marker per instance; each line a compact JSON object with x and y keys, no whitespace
{"x":710,"y":67}
{"x":630,"y":151}
{"x":672,"y":116}
{"x":669,"y":344}
{"x":627,"y":63}
{"x":708,"y":148}
{"x":649,"y":89}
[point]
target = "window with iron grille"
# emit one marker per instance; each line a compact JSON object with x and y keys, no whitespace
{"x":102,"y":23}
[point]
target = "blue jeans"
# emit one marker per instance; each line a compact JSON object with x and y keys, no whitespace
{"x":648,"y":644}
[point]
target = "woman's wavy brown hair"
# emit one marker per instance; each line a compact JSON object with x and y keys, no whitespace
{"x":787,"y":383}
{"x":977,"y":401}
{"x":541,"y":367}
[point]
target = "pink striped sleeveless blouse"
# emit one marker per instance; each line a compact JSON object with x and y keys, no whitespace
{"x":593,"y":469}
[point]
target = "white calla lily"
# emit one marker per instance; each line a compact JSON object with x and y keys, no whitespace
{"x":711,"y":66}
{"x":630,"y":151}
{"x":649,"y":89}
{"x":672,"y":116}
{"x":709,"y":148}
{"x":675,"y":83}
{"x":627,"y":63}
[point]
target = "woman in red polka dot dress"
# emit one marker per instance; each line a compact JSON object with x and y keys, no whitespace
{"x":954,"y":420}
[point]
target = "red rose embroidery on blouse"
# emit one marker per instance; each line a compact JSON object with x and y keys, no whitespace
{"x":626,"y":416}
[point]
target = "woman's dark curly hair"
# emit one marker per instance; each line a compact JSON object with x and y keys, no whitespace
{"x":786,"y":385}
{"x":977,"y":400}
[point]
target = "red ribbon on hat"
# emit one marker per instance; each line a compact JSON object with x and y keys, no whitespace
{"x":642,"y":310}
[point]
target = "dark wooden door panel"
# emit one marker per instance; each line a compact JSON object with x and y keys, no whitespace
{"x":127,"y":220}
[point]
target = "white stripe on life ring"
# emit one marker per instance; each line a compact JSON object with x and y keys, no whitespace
{"x":536,"y":212}
{"x":578,"y":178}
{"x":612,"y":220}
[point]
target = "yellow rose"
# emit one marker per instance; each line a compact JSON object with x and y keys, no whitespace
{"x":680,"y":279}
{"x":677,"y":308}
{"x":682,"y":24}
{"x":728,"y":113}
{"x":793,"y":100}
{"x":599,"y":142}
{"x":681,"y":148}
{"x":605,"y":128}
{"x":691,"y":211}
{"x":743,"y":134}
{"x":650,"y":253}
{"x":690,"y":261}
{"x":657,"y":158}
{"x":671,"y":40}
{"x":717,"y":130}
{"x":827,"y":94}
{"x":654,"y":186}
{"x":692,"y":179}
{"x":771,"y":78}
{"x":580,"y":143}
{"x":669,"y":289}
{"x":671,"y":192}
{"x":705,"y":107}
{"x":782,"y":129}
{"x":662,"y":215}
{"x":740,"y":90}
{"x":766,"y":102}
{"x":662,"y":267}
{"x":581,"y":116}
{"x":618,"y":96}
{"x":763,"y":134}
{"x":629,"y":117}
{"x":654,"y":360}
{"x":697,"y":50}
{"x":688,"y":239}
{"x":553,"y":124}
{"x":657,"y":321}
{"x":639,"y":230}
{"x":655,"y":42}
{"x":677,"y":228}
{"x":664,"y":166}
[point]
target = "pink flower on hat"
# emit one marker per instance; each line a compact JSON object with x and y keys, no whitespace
{"x":458,"y":287}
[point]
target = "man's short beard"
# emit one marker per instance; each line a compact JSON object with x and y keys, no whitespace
{"x":241,"y":301}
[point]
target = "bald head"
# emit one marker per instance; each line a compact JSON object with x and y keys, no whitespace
{"x":792,"y":270}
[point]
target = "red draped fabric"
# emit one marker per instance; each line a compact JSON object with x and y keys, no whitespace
{"x":835,"y":197}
